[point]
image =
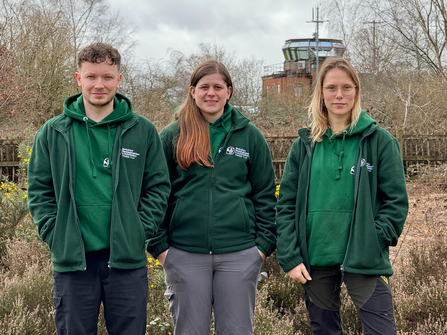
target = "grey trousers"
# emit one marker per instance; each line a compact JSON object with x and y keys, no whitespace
{"x":197,"y":283}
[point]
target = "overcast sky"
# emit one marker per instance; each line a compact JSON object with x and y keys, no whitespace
{"x":246,"y":27}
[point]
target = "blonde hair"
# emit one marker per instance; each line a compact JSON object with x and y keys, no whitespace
{"x":317,"y":110}
{"x":193,"y":144}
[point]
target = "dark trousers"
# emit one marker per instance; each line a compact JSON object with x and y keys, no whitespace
{"x":371,"y":296}
{"x":78,"y":296}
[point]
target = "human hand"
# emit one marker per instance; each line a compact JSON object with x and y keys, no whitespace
{"x":262,"y":254}
{"x":161,"y":258}
{"x":299,"y":273}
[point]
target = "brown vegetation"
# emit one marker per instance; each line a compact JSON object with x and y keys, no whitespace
{"x":419,"y":286}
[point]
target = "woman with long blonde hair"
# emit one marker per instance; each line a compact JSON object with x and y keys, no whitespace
{"x":342,"y":204}
{"x":219,"y":226}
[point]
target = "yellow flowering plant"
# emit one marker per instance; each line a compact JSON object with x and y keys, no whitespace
{"x":13,"y":204}
{"x":155,"y":274}
{"x":277,"y":191}
{"x":14,"y":197}
{"x":157,"y":304}
{"x":24,"y":155}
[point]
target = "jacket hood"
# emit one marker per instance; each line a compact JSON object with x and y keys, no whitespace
{"x":123,"y":109}
{"x":74,"y":108}
{"x":239,"y":120}
{"x":364,"y":122}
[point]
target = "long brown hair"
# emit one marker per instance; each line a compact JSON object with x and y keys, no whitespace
{"x":193,"y":145}
{"x":317,"y":109}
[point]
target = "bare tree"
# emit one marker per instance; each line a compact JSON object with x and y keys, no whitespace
{"x":41,"y":39}
{"x":343,"y":19}
{"x":246,"y":76}
{"x":153,"y":89}
{"x":36,"y":49}
{"x":246,"y":73}
{"x":405,"y":101}
{"x":93,"y":20}
{"x":420,"y":28}
{"x":283,"y":113}
{"x":366,"y":37}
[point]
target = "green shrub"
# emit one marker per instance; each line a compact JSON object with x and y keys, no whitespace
{"x":14,"y":199}
{"x":13,"y":208}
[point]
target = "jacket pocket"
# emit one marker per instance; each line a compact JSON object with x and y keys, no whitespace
{"x":143,"y":233}
{"x":174,"y":214}
{"x":245,"y":214}
{"x":49,"y":239}
{"x":365,"y":251}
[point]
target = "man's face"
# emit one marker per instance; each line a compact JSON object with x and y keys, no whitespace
{"x":98,"y":82}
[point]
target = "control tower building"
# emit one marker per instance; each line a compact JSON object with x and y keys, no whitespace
{"x":299,"y":67}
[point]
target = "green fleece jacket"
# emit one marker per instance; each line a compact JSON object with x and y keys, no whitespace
{"x":93,"y":143}
{"x":330,"y":207}
{"x":140,"y":191}
{"x":380,"y":204}
{"x":225,"y":208}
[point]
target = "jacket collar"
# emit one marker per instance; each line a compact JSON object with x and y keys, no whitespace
{"x":304,"y":133}
{"x":239,"y":120}
{"x":62,"y":123}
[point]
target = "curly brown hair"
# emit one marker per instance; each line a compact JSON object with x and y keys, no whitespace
{"x":99,"y":52}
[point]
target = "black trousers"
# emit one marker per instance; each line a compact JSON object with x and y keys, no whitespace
{"x":371,"y":295}
{"x":78,"y":296}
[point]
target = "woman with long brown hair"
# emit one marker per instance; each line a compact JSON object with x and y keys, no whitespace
{"x":220,"y":221}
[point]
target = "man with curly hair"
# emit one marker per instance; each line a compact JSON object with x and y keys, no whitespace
{"x":98,"y":186}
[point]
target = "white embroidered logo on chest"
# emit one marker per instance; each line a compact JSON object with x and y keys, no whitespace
{"x":369,"y":167}
{"x":238,"y":152}
{"x":129,"y":153}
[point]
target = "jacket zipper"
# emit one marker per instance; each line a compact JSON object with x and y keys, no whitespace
{"x":210,"y":225}
{"x":309,"y":153}
{"x":356,"y":189}
{"x":210,"y":221}
{"x":116,"y":182}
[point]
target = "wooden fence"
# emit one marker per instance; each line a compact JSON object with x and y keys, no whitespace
{"x":9,"y":160}
{"x":416,"y":149}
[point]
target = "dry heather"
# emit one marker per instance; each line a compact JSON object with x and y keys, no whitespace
{"x":419,"y":285}
{"x":420,"y":261}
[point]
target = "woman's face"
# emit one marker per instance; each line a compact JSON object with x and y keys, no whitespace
{"x":339,"y":95}
{"x":211,"y":94}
